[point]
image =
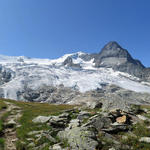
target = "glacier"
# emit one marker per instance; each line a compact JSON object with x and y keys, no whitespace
{"x":33,"y":72}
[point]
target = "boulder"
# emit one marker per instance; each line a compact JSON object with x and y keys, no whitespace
{"x":112,"y":148}
{"x":122,"y":119}
{"x":145,"y":139}
{"x":74,"y":123}
{"x":143,"y":118}
{"x":41,"y":119}
{"x":115,"y":128}
{"x":83,"y":115}
{"x":94,"y":104}
{"x":101,"y":122}
{"x":35,"y":132}
{"x":80,"y":138}
{"x":55,"y":147}
{"x":64,"y":115}
{"x":58,"y":122}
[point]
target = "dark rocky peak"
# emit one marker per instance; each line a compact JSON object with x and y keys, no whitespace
{"x":112,"y":46}
{"x":69,"y":63}
{"x":114,"y":56}
{"x":113,"y":49}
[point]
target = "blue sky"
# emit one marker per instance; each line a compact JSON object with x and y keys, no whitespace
{"x":51,"y":28}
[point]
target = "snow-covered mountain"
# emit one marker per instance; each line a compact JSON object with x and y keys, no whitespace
{"x":32,"y":79}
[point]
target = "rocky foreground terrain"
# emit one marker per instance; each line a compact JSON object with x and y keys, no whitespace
{"x":35,"y":126}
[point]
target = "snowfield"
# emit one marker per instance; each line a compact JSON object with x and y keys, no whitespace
{"x":32,"y":73}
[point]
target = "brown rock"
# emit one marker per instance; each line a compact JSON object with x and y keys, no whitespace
{"x":122,"y":119}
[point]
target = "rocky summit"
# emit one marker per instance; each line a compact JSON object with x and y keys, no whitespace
{"x":114,"y":56}
{"x":111,"y":77}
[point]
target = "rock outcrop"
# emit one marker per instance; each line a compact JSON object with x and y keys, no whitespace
{"x":78,"y":129}
{"x":79,"y":138}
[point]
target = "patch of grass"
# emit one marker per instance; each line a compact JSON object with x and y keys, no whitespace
{"x":2,"y":105}
{"x":65,"y":144}
{"x":3,"y":117}
{"x":108,"y":142}
{"x":2,"y":144}
{"x":145,"y":106}
{"x":94,"y":111}
{"x":73,"y":115}
{"x":21,"y":146}
{"x":131,"y":141}
{"x":85,"y":120}
{"x":135,"y":144}
{"x":141,"y":130}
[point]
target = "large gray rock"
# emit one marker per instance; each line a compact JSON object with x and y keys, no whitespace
{"x":83,"y":115}
{"x":79,"y":138}
{"x":143,"y":118}
{"x":94,"y":104}
{"x":41,"y":119}
{"x":73,"y":123}
{"x":58,"y":121}
{"x":145,"y":139}
{"x":101,"y":122}
{"x":55,"y":147}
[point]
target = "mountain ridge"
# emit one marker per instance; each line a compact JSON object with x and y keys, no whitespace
{"x":62,"y":80}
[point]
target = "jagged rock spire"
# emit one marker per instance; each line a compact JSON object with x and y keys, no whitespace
{"x":114,"y":56}
{"x":113,"y":49}
{"x":113,"y":45}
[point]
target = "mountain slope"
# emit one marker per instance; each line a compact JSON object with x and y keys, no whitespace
{"x":62,"y":79}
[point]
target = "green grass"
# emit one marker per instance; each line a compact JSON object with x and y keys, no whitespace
{"x":2,"y":105}
{"x":2,"y":143}
{"x":135,"y":144}
{"x":3,"y":117}
{"x":2,"y":140}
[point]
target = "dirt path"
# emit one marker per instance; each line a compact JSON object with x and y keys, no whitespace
{"x":10,"y":125}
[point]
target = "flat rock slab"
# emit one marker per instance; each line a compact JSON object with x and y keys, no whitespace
{"x":41,"y":119}
{"x":145,"y":139}
{"x":143,"y":118}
